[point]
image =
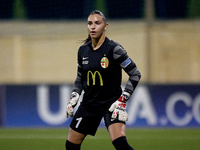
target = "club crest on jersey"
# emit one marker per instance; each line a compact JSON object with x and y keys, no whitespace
{"x":104,"y":62}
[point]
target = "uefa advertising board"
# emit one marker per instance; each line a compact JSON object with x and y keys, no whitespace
{"x":149,"y":106}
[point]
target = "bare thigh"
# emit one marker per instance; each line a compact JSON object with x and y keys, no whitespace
{"x":117,"y":130}
{"x":75,"y":137}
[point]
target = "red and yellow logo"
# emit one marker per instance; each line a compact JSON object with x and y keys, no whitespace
{"x":104,"y":62}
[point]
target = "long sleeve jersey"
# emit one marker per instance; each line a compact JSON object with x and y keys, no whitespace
{"x":99,"y":74}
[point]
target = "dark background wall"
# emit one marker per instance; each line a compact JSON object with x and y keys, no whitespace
{"x":79,"y":9}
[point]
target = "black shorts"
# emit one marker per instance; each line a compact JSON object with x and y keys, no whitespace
{"x":87,"y":122}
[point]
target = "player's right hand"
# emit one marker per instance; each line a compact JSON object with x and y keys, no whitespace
{"x":72,"y":103}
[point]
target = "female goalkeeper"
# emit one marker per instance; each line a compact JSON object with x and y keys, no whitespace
{"x":99,"y":74}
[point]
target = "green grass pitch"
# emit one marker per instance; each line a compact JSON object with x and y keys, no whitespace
{"x":139,"y":139}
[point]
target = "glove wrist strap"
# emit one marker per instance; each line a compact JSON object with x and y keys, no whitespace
{"x":124,"y":97}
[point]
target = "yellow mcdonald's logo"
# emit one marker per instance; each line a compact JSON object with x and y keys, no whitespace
{"x":93,"y":77}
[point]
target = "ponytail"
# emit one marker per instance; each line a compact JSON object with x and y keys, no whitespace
{"x":88,"y":39}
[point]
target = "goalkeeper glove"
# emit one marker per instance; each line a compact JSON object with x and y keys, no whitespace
{"x":72,"y":103}
{"x":119,"y":107}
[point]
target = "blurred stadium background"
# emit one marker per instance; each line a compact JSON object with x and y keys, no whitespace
{"x":39,"y":40}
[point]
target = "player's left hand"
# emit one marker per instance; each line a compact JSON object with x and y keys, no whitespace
{"x":119,"y":108}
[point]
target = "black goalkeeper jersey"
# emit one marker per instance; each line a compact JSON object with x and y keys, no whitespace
{"x":100,"y":72}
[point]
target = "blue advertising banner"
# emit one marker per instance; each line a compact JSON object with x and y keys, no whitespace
{"x":36,"y":105}
{"x":2,"y":105}
{"x":165,"y":106}
{"x":149,"y":106}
